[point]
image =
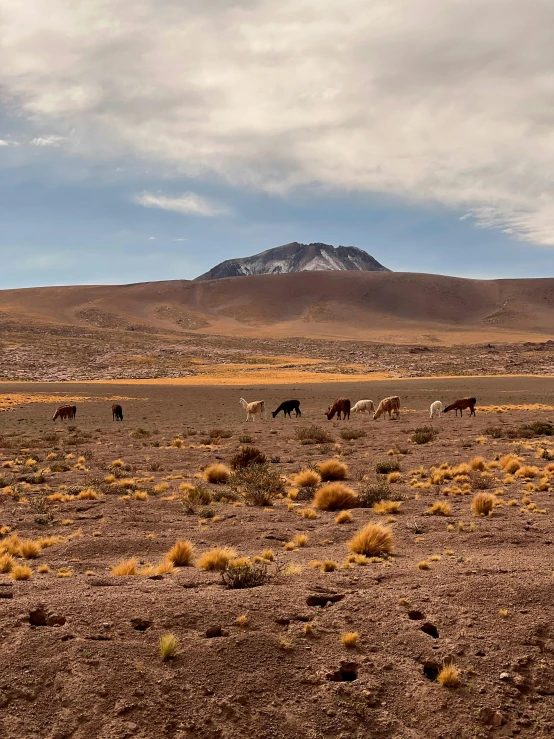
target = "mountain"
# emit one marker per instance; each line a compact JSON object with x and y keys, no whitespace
{"x":297,"y":257}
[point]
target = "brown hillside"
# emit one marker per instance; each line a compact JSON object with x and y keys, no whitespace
{"x":349,"y":305}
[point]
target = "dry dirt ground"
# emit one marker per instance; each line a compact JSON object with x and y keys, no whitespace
{"x":94,"y":670}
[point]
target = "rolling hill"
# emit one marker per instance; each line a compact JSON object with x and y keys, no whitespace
{"x":380,"y":306}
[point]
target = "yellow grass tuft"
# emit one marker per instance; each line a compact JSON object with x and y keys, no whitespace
{"x":21,"y":572}
{"x":89,"y":494}
{"x":423,"y":565}
{"x":528,"y":471}
{"x":386,"y":506}
{"x":292,"y":569}
{"x":343,"y":517}
{"x":268,"y":554}
{"x":308,"y":513}
{"x":7,"y":562}
{"x":29,"y":549}
{"x":216,"y":559}
{"x":307,"y":478}
{"x":168,"y":645}
{"x":242,"y":620}
{"x":349,"y":639}
{"x":64,"y":572}
{"x":373,"y":539}
{"x":504,"y":612}
{"x":140,"y":495}
{"x":332,"y":469}
{"x":394,"y":477}
{"x":125,"y":568}
{"x":335,"y":496}
{"x":43,"y":569}
{"x":478,"y":463}
{"x":328,"y":565}
{"x":217,"y":473}
{"x":160,"y":488}
{"x":117,"y":463}
{"x":300,"y":540}
{"x":510,"y":463}
{"x":449,"y":676}
{"x":177,"y":443}
{"x":181,"y":553}
{"x":483,"y":504}
{"x":439,"y":508}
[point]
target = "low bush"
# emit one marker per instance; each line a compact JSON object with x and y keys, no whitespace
{"x":424,"y":435}
{"x":241,"y":573}
{"x":313,"y":435}
{"x":483,"y":504}
{"x":373,"y":491}
{"x":258,"y":484}
{"x":246,"y":457}
{"x":216,"y":559}
{"x":307,"y":478}
{"x":388,"y":466}
{"x":351,"y":434}
{"x":217,"y":473}
{"x":496,"y":432}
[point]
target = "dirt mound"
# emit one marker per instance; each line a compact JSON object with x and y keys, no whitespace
{"x":355,"y":305}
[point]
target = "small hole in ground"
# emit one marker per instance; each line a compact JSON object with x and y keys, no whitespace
{"x":416,"y":615}
{"x":347,"y":673}
{"x":430,"y":629}
{"x":431,"y":671}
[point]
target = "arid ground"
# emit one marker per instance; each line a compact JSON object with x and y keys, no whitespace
{"x":79,"y":648}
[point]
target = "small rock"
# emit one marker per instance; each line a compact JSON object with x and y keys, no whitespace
{"x":504,"y":676}
{"x":213,"y":632}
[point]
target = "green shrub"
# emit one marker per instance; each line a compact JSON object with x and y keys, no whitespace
{"x":424,"y":435}
{"x":246,"y":457}
{"x":313,"y":435}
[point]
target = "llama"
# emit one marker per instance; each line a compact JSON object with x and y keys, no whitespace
{"x":389,"y":405}
{"x":287,"y":406}
{"x":363,"y":406}
{"x":256,"y":407}
{"x":462,"y":404}
{"x":435,"y":409}
{"x":341,"y":405}
{"x":65,"y":412}
{"x":117,"y":413}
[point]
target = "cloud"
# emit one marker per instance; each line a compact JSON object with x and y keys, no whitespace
{"x":188,"y":204}
{"x":446,"y":102}
{"x":152,"y":238}
{"x":47,"y":141}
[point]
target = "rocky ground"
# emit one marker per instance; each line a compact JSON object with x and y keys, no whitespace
{"x":53,"y":354}
{"x":79,"y":645}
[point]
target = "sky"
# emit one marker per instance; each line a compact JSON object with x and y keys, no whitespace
{"x":151,"y":139}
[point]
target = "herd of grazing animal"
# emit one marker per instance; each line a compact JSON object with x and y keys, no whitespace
{"x":341,"y":408}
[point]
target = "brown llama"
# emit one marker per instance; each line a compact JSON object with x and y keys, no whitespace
{"x":117,"y":413}
{"x":66,"y":412}
{"x":461,"y":405}
{"x":341,"y":405}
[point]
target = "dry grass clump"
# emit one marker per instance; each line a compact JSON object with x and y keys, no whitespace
{"x":308,"y":513}
{"x":89,"y":494}
{"x":394,"y":477}
{"x":168,"y":646}
{"x":483,"y":504}
{"x":7,"y":562}
{"x":247,"y":456}
{"x":423,"y":565}
{"x":292,"y":569}
{"x":478,"y":464}
{"x":528,"y":471}
{"x":334,"y":496}
{"x":268,"y":554}
{"x":217,"y":559}
{"x":21,"y":572}
{"x":181,"y":553}
{"x":343,"y":517}
{"x":439,"y":508}
{"x":313,"y":435}
{"x":328,"y":565}
{"x":449,"y":676}
{"x":242,"y":620}
{"x":300,"y":540}
{"x":386,"y":506}
{"x":510,"y":463}
{"x":126,"y":568}
{"x":349,"y":639}
{"x":29,"y":549}
{"x":307,"y":478}
{"x":372,"y":540}
{"x":217,"y":473}
{"x":332,"y":469}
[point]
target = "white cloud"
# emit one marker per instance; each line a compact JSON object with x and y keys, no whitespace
{"x":179,"y":239}
{"x":47,"y":141}
{"x":447,"y":102}
{"x":152,"y":238}
{"x":189,"y":204}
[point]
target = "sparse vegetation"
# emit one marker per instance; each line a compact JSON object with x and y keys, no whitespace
{"x":424,"y":434}
{"x":181,"y":553}
{"x":335,"y":496}
{"x":372,"y":540}
{"x":248,"y":456}
{"x":239,"y":574}
{"x":449,"y":676}
{"x":217,"y":473}
{"x":332,"y":469}
{"x":168,"y":645}
{"x":483,"y":504}
{"x":258,"y":484}
{"x":439,"y":508}
{"x":387,"y":466}
{"x":216,"y":559}
{"x":350,"y":639}
{"x":313,"y":435}
{"x":307,"y":478}
{"x":351,"y":434}
{"x":126,"y":568}
{"x":343,"y":517}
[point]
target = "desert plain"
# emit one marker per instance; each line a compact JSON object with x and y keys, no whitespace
{"x":330,"y":643}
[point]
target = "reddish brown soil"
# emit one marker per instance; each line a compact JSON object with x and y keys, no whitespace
{"x":97,"y":676}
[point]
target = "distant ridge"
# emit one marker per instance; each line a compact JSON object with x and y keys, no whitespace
{"x":297,"y":257}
